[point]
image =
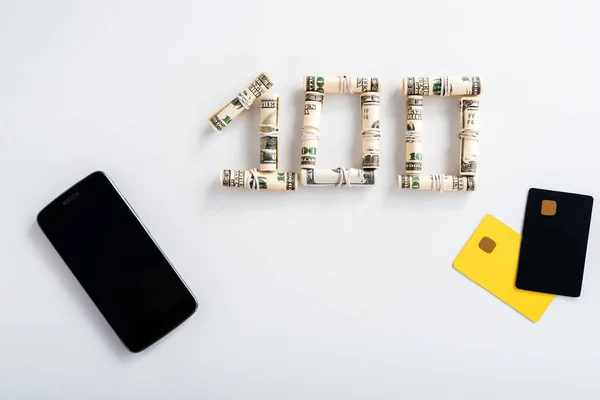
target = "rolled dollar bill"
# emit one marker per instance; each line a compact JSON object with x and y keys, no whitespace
{"x":442,"y":86}
{"x":241,"y":102}
{"x":269,"y":131}
{"x":311,"y":129}
{"x":273,"y":181}
{"x":341,"y":84}
{"x":469,"y":135}
{"x":413,"y":135}
{"x":438,"y":183}
{"x":338,"y":177}
{"x":369,"y":114}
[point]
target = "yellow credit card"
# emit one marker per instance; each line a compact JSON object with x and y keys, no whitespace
{"x":490,"y":259}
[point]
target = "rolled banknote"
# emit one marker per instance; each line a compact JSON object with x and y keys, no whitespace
{"x":438,"y":183}
{"x":338,"y":177}
{"x":241,"y":102}
{"x":413,"y":135}
{"x":442,"y":86}
{"x":369,"y":114}
{"x":469,"y":135}
{"x":273,"y":181}
{"x":269,"y":131}
{"x":341,"y":84}
{"x":311,"y":129}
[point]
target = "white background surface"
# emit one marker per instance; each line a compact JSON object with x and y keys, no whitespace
{"x":330,"y":293}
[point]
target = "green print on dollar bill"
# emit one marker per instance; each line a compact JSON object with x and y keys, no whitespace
{"x":236,"y":103}
{"x":315,"y":84}
{"x":309,"y":150}
{"x":289,"y":178}
{"x":465,"y":85}
{"x":227,"y":119}
{"x":406,"y":182}
{"x":320,"y":84}
{"x":262,"y":182}
{"x":437,"y":87}
{"x":415,"y":162}
{"x":309,"y":156}
{"x":416,"y":184}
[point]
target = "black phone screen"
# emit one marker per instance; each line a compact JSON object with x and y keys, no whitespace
{"x":114,"y":258}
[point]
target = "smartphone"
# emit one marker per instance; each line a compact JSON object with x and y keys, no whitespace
{"x":117,"y":262}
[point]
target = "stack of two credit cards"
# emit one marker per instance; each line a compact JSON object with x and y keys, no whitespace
{"x":528,"y":271}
